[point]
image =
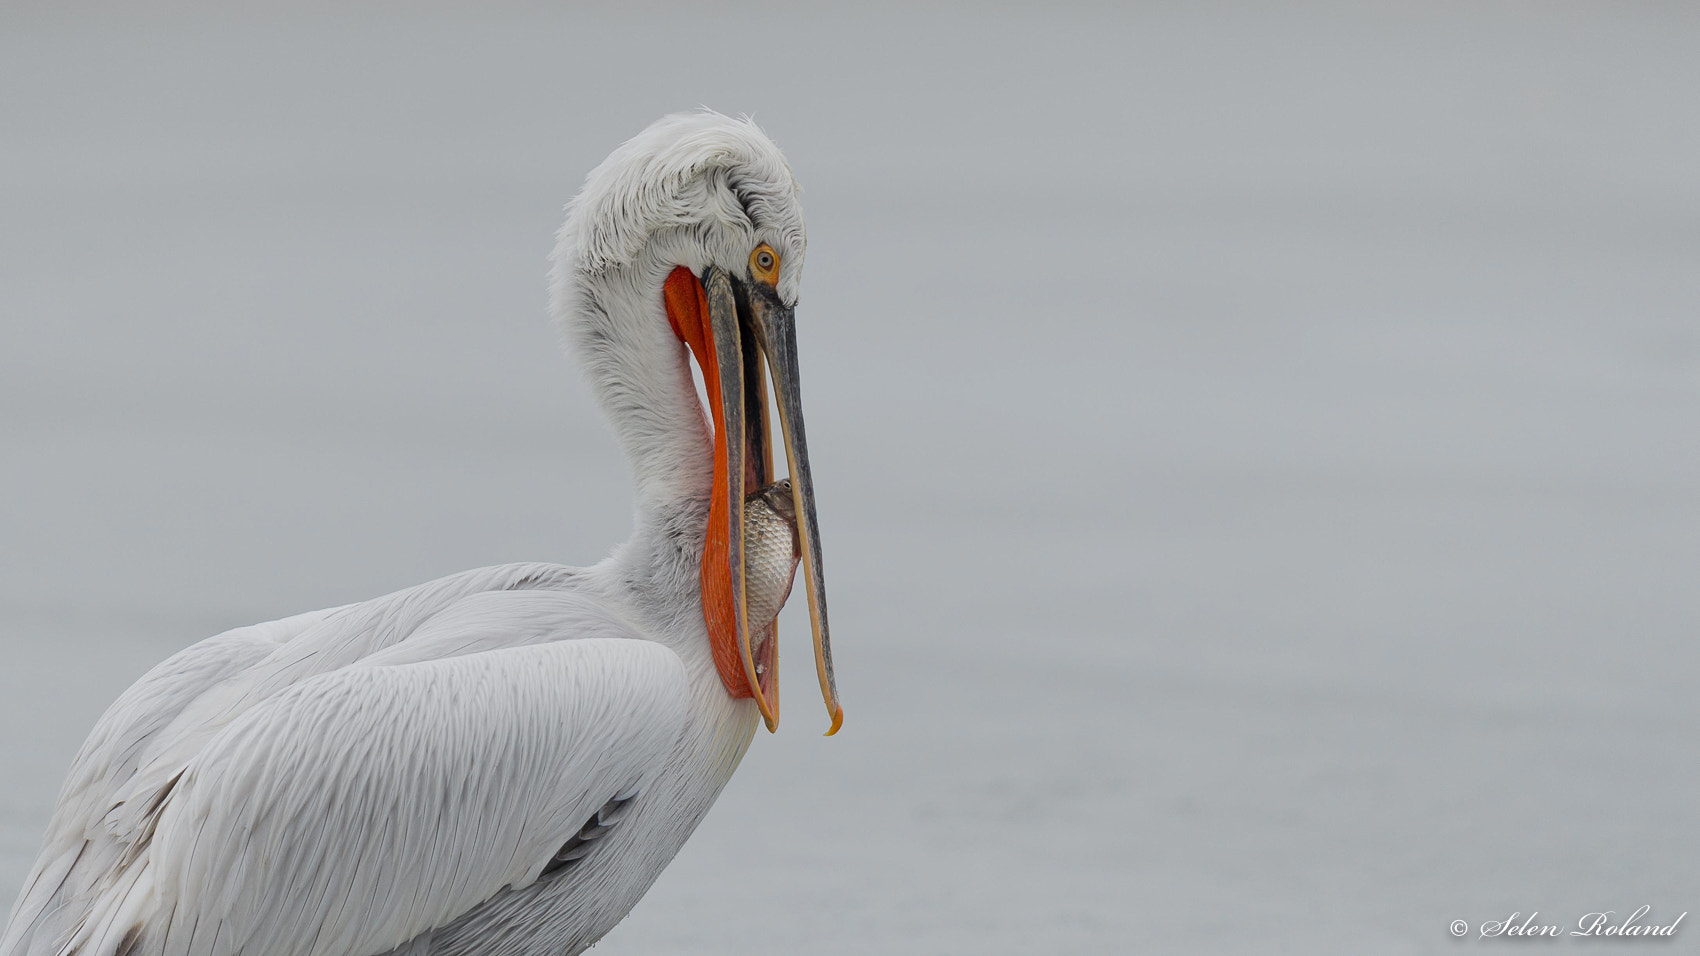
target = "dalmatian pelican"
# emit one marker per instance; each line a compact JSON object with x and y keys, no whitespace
{"x":499,"y":762}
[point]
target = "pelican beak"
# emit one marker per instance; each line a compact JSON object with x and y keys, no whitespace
{"x":737,"y":330}
{"x":774,"y":325}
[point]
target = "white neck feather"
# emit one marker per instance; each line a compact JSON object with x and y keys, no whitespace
{"x":616,"y":323}
{"x":640,"y":372}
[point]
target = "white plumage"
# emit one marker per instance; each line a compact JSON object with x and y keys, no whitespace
{"x":499,"y":762}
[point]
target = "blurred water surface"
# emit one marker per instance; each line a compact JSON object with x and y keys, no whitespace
{"x":1258,"y":450}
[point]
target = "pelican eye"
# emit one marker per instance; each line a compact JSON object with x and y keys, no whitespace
{"x":764,"y":264}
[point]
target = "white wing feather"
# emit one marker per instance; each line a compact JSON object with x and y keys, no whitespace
{"x":77,"y":852}
{"x":358,"y":809}
{"x":287,"y":812}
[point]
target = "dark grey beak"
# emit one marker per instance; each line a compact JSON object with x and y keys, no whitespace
{"x":753,"y":328}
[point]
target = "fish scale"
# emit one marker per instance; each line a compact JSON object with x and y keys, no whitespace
{"x":771,"y":554}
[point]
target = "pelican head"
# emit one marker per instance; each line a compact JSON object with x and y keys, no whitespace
{"x":687,"y":242}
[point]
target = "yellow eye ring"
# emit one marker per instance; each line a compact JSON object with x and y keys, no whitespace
{"x":764,"y":264}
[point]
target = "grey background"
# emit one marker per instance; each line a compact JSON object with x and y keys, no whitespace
{"x":1257,"y":449}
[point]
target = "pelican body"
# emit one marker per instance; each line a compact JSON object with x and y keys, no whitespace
{"x":502,"y":761}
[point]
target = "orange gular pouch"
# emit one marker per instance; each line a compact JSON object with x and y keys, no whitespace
{"x":734,"y":380}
